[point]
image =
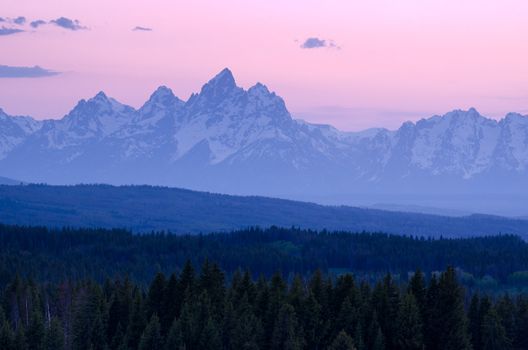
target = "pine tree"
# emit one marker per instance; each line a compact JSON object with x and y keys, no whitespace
{"x":20,"y":339}
{"x":418,"y":289}
{"x":210,"y":338}
{"x":409,"y":325}
{"x":358,"y":337}
{"x":345,"y":289}
{"x":119,"y":339}
{"x":521,"y":323}
{"x":229,"y":323}
{"x":156,"y":296}
{"x":347,"y":318}
{"x":452,"y":319}
{"x":123,"y":345}
{"x":247,"y":332}
{"x":342,"y":342}
{"x":174,"y":337}
{"x":475,"y":321}
{"x":54,"y":335}
{"x":7,"y":337}
{"x":36,"y":332}
{"x":493,"y":333}
{"x":189,"y":324}
{"x":212,"y":281}
{"x":136,"y":324}
{"x":386,"y":303}
{"x":98,"y":334}
{"x":119,"y":309}
{"x":89,"y":330}
{"x":277,"y":295}
{"x":432,"y":320}
{"x":286,"y":333}
{"x":379,"y":341}
{"x":248,"y":287}
{"x":318,"y":289}
{"x":171,"y":304}
{"x":187,"y":280}
{"x":374,"y":336}
{"x":313,"y":324}
{"x":151,"y":337}
{"x":261,"y":308}
{"x":506,"y":311}
{"x":296,"y":295}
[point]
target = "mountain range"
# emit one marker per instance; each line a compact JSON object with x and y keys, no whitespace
{"x":231,"y":140}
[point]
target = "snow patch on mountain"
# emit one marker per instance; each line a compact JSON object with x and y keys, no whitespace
{"x":14,"y":130}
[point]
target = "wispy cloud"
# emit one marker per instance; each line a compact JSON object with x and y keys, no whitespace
{"x":142,"y":29}
{"x":67,"y":23}
{"x":20,"y":20}
{"x":315,"y":43}
{"x":9,"y":31}
{"x":25,"y":72}
{"x":37,"y":23}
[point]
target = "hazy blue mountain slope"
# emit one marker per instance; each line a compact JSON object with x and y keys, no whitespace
{"x":145,"y":208}
{"x":7,"y":181}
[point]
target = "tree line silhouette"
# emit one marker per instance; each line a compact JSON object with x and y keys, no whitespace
{"x":201,"y":310}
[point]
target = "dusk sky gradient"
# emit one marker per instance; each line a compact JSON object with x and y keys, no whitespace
{"x":390,"y":61}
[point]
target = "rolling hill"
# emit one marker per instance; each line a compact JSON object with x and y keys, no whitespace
{"x":146,"y":208}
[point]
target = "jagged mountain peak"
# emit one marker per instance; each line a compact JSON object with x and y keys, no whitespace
{"x":456,"y":118}
{"x":98,"y":105}
{"x":221,"y":86}
{"x":100,"y":96}
{"x":4,"y":115}
{"x":225,"y":77}
{"x":163,"y":97}
{"x":260,"y":89}
{"x":162,"y":91}
{"x":224,"y":80}
{"x":471,"y":113}
{"x":515,"y":116}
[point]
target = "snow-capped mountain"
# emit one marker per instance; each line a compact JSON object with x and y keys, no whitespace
{"x":14,"y":130}
{"x":228,"y":139}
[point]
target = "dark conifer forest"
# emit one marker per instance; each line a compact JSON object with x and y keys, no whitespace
{"x":272,"y":288}
{"x":200,"y":309}
{"x":53,"y":255}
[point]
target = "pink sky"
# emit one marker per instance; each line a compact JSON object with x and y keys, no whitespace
{"x":398,"y":60}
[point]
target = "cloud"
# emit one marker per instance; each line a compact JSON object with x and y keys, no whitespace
{"x":312,"y":43}
{"x":143,"y":29}
{"x":2,"y":19}
{"x":9,"y":31}
{"x":20,"y":20}
{"x":25,"y":72}
{"x":37,"y":23}
{"x":66,"y":23}
{"x":315,"y":43}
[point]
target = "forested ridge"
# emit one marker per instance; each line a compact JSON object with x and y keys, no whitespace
{"x":201,"y":310}
{"x":149,"y":208}
{"x":53,"y":255}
